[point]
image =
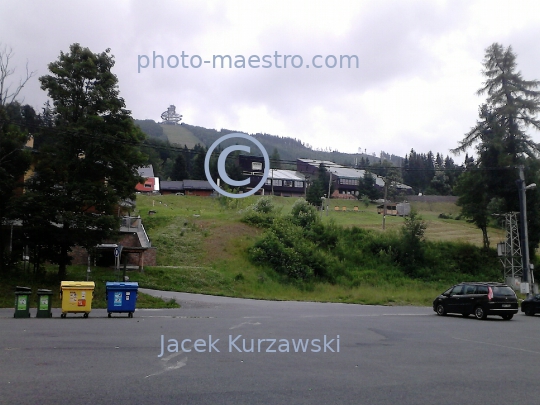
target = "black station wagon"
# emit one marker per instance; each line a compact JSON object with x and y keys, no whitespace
{"x":480,"y":299}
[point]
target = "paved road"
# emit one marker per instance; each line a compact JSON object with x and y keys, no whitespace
{"x":387,"y":355}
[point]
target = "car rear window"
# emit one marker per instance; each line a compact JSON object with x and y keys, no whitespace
{"x":503,"y":291}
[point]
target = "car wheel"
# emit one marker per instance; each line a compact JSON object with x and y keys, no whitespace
{"x":441,"y":311}
{"x":507,"y":317}
{"x":479,"y":313}
{"x":529,"y":311}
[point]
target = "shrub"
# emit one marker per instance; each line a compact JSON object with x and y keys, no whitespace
{"x":300,"y":249}
{"x":365,"y":200}
{"x":411,"y":253}
{"x":303,"y":214}
{"x":260,"y":220}
{"x":286,"y":250}
{"x":325,"y":236}
{"x":261,"y":214}
{"x":264,"y":205}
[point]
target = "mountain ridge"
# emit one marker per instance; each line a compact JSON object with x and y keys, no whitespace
{"x":289,"y":149}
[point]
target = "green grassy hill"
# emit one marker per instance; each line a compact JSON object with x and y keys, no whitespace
{"x":203,"y":248}
{"x":179,"y":135}
{"x":289,"y":148}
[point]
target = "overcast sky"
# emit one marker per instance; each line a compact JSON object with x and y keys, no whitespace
{"x":419,"y":63}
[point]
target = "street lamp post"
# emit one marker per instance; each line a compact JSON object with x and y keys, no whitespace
{"x":384,"y":203}
{"x":526,"y":278}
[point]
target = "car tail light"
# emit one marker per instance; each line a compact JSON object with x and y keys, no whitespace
{"x":490,"y":293}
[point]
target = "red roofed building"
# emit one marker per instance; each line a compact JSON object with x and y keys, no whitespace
{"x":150,"y":184}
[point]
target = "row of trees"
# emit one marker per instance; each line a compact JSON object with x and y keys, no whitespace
{"x":430,"y":174}
{"x":85,"y":162}
{"x":189,"y":165}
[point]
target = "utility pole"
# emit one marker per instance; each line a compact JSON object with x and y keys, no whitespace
{"x":329,"y":185}
{"x":306,"y":179}
{"x":272,"y":183}
{"x":384,"y":203}
{"x":526,"y":280}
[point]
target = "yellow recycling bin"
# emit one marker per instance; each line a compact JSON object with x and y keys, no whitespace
{"x":76,"y":297}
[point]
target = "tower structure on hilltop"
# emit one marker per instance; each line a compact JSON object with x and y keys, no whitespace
{"x":171,"y":117}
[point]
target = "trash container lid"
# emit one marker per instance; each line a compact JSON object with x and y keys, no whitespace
{"x":119,"y":285}
{"x":78,"y":284}
{"x":23,"y":289}
{"x":44,"y":291}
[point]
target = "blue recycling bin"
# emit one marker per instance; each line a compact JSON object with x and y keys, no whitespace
{"x":121,"y":297}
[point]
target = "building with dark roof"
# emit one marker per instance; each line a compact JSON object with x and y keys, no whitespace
{"x":187,"y":187}
{"x":286,"y":183}
{"x":345,"y":179}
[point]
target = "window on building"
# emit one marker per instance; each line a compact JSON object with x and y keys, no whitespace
{"x":349,"y":182}
{"x":277,"y":182}
{"x":299,"y":184}
{"x":256,"y":166}
{"x":287,"y":183}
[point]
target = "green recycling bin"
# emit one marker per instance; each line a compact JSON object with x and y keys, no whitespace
{"x":44,"y":303}
{"x":22,"y":302}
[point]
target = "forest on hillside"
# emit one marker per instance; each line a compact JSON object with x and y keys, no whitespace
{"x":289,"y":149}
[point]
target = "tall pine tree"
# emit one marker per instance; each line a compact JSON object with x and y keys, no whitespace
{"x":501,"y":139}
{"x":88,"y":159}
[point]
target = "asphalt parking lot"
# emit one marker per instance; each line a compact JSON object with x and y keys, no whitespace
{"x":385,"y":355}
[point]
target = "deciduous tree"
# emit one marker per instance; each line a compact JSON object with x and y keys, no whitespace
{"x":89,"y":155}
{"x":14,"y":162}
